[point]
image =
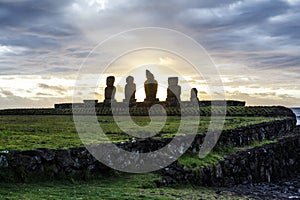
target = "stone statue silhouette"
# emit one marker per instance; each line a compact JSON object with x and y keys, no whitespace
{"x":150,"y":87}
{"x":194,"y":95}
{"x":130,"y":89}
{"x":110,"y":90}
{"x":173,"y":92}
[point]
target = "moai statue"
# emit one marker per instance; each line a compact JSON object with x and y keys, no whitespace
{"x":110,"y":90}
{"x":130,"y":89}
{"x":173,"y":92}
{"x":194,"y":95}
{"x":150,"y":87}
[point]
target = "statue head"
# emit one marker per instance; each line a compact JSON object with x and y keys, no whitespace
{"x":173,"y":81}
{"x":110,"y":81}
{"x":129,"y":79}
{"x":149,"y":75}
{"x":194,"y":92}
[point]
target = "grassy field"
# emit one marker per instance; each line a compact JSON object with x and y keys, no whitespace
{"x":25,"y":132}
{"x":120,"y":186}
{"x":125,"y":186}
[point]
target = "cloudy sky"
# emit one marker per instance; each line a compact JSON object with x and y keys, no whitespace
{"x":255,"y":45}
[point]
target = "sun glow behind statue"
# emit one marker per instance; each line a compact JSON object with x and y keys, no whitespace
{"x":130,"y":54}
{"x":162,"y":63}
{"x":161,"y":73}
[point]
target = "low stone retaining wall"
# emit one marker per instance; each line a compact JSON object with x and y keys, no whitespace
{"x":246,"y":135}
{"x":43,"y":164}
{"x":79,"y":163}
{"x":237,"y":137}
{"x":267,"y":163}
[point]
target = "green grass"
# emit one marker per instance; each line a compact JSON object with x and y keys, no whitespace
{"x":192,"y":161}
{"x":122,"y":186}
{"x":25,"y":132}
{"x":256,"y":144}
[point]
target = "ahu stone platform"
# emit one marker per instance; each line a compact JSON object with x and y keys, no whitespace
{"x":95,"y":103}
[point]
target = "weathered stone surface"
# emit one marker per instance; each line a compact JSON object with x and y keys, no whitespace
{"x":110,"y":90}
{"x":194,"y":95}
{"x":90,"y":102}
{"x":47,"y":163}
{"x":268,"y":163}
{"x":173,"y":92}
{"x":255,"y":165}
{"x":283,"y":189}
{"x":150,"y":87}
{"x":47,"y":154}
{"x":3,"y":161}
{"x":130,"y":89}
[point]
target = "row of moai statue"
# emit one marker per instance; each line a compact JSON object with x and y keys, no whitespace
{"x":150,"y":86}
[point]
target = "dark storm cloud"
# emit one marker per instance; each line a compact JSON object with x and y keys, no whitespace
{"x":53,"y":37}
{"x":262,"y":59}
{"x":286,"y":25}
{"x":248,"y":27}
{"x":281,"y":61}
{"x":33,"y":23}
{"x":244,"y":26}
{"x":40,"y":29}
{"x":57,"y":89}
{"x":16,"y":13}
{"x":236,"y":15}
{"x":241,"y":31}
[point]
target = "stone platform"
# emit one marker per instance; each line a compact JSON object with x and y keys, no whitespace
{"x":92,"y":103}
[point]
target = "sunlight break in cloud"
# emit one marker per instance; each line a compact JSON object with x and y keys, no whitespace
{"x":6,"y":50}
{"x":99,"y":4}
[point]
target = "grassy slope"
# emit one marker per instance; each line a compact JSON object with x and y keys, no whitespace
{"x":25,"y":132}
{"x":123,"y":186}
{"x":28,"y":132}
{"x":192,"y":160}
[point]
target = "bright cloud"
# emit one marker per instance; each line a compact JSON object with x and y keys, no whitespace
{"x":11,"y":50}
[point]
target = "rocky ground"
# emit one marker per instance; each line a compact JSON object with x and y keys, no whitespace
{"x":286,"y":189}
